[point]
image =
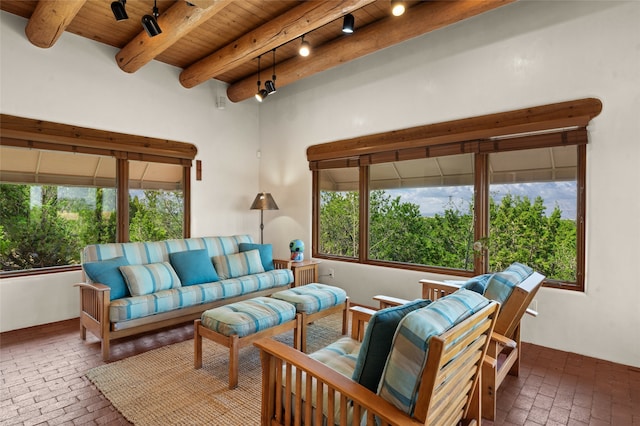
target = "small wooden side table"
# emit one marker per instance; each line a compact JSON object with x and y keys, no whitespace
{"x":305,"y":272}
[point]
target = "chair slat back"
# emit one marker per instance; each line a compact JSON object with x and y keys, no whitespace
{"x":516,"y":305}
{"x":452,"y":369}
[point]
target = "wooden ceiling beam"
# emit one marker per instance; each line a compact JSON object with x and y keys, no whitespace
{"x":176,"y":22}
{"x":50,"y":19}
{"x":204,"y":4}
{"x":284,"y":28}
{"x":418,"y":20}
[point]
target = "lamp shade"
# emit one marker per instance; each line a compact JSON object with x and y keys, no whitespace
{"x":264,"y":201}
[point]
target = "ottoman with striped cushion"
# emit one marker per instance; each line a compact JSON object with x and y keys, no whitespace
{"x":239,"y":324}
{"x":314,"y":301}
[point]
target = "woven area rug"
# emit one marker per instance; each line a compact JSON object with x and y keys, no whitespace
{"x":161,"y":387}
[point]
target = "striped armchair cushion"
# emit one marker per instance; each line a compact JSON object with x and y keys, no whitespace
{"x":400,"y":378}
{"x":340,"y":355}
{"x":522,"y":271}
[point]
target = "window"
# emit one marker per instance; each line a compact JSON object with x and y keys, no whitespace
{"x":465,"y":197}
{"x":421,"y":211}
{"x":57,"y":198}
{"x":339,"y":213}
{"x":156,"y":207}
{"x":533,"y":211}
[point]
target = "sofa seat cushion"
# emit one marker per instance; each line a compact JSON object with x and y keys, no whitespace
{"x":400,"y":378}
{"x":130,"y":308}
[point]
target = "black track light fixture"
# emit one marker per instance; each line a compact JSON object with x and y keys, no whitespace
{"x":348,"y":24}
{"x":150,"y":23}
{"x":119,"y":12}
{"x":261,"y":94}
{"x":270,"y":85}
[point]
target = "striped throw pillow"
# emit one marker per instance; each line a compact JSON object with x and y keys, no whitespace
{"x":238,"y":264}
{"x":150,"y":278}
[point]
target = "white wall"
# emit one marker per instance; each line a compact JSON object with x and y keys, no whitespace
{"x":78,"y":82}
{"x":524,"y":54}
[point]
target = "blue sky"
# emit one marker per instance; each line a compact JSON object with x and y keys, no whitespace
{"x":436,"y":199}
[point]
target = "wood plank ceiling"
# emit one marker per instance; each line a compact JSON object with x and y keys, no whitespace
{"x":222,"y":39}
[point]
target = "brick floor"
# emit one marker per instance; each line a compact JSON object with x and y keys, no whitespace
{"x":42,"y":382}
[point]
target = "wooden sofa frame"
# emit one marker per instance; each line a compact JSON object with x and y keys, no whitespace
{"x":95,"y":299}
{"x":504,"y":353}
{"x":449,"y":391}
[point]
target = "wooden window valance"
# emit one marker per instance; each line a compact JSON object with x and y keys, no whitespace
{"x":542,"y":126}
{"x":38,"y":134}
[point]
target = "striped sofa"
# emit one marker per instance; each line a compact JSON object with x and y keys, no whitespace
{"x":170,"y":282}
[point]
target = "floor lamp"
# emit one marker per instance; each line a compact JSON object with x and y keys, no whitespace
{"x":264,"y":201}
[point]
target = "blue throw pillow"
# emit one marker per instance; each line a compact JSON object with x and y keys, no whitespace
{"x":478,"y":283}
{"x":193,"y":267}
{"x":107,"y":272}
{"x":266,"y":253}
{"x":377,"y":342}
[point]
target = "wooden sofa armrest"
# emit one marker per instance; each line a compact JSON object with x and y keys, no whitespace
{"x":93,"y":287}
{"x":388,"y":301}
{"x":433,"y":290}
{"x":282,"y":263}
{"x":94,"y":312}
{"x":280,"y":402}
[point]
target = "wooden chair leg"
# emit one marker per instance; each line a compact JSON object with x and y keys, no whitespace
{"x":104,"y":344}
{"x":345,"y":317}
{"x":489,"y":389}
{"x":303,"y":332}
{"x":515,"y":368}
{"x":234,"y":344}
{"x":297,"y":332}
{"x":197,"y":345}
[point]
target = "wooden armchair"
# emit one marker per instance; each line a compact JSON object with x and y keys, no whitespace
{"x":297,"y":389}
{"x":503,"y":356}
